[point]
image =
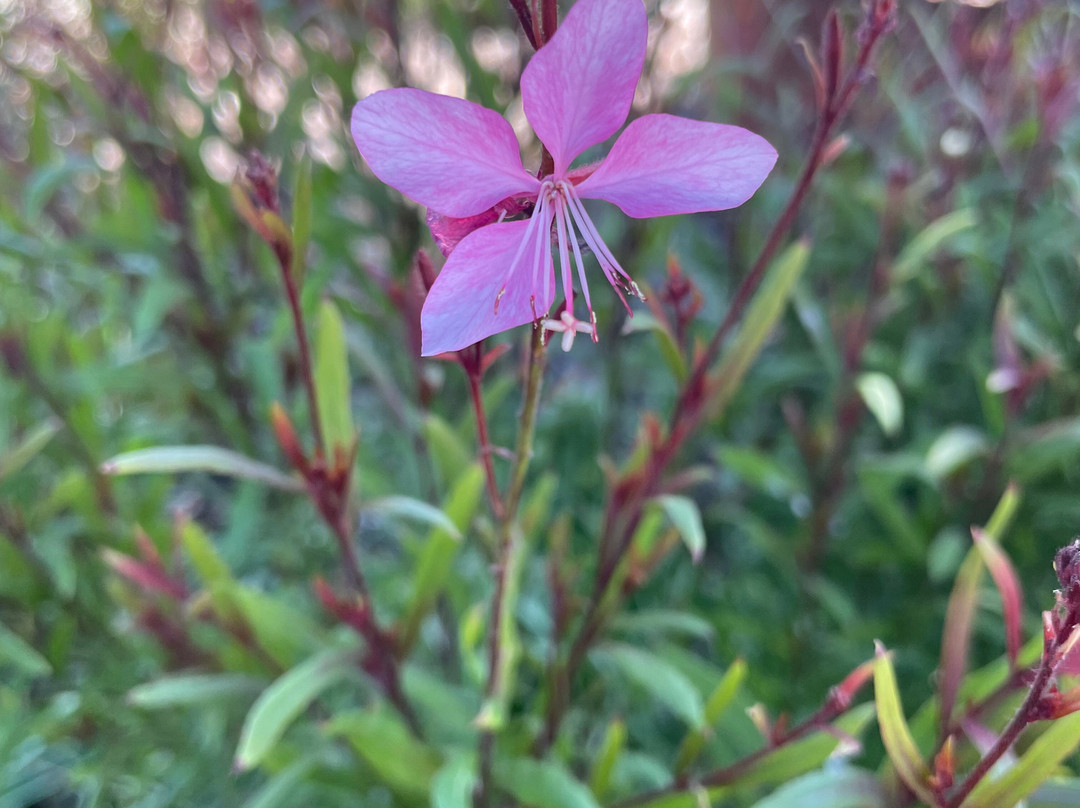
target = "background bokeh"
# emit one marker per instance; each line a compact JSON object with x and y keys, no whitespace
{"x":137,"y":309}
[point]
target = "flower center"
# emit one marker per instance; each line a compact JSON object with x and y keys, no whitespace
{"x":558,"y":205}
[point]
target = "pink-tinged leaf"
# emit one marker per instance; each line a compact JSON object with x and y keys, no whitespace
{"x":663,"y":164}
{"x":144,"y":575}
{"x":1004,"y":575}
{"x":460,"y":308}
{"x":956,"y":638}
{"x":578,"y":88}
{"x":447,"y":154}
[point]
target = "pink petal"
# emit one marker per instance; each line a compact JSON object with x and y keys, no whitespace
{"x":460,"y":308}
{"x":446,"y":153}
{"x":663,"y":164}
{"x":577,"y":89}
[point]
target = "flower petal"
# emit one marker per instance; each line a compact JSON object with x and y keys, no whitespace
{"x":578,"y":88}
{"x":460,"y":308}
{"x":446,"y":153}
{"x":663,"y":164}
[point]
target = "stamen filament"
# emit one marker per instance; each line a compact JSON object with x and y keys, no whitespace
{"x":529,"y":233}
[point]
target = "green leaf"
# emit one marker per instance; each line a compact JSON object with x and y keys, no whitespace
{"x":1045,"y":448}
{"x":882,"y":398}
{"x":281,"y":788}
{"x":542,"y":784}
{"x":839,"y":788}
{"x":410,"y":508}
{"x":895,"y":734}
{"x":604,"y":763}
{"x":722,"y":696}
{"x":663,"y":622}
{"x":284,"y":633}
{"x":15,"y":457}
{"x":284,"y":700}
{"x":760,"y":319}
{"x":332,"y":384}
{"x":669,"y":348}
{"x":209,"y":459}
{"x":953,"y":449}
{"x":447,"y":448}
{"x":662,"y":681}
{"x":453,"y":785}
{"x":385,"y":743}
{"x":435,"y":567}
{"x":186,"y":690}
{"x":301,"y":223}
{"x":15,"y":652}
{"x":204,"y":556}
{"x":686,"y":518}
{"x":919,"y":250}
{"x":1032,"y":769}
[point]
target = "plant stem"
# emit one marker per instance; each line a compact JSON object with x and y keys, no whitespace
{"x":628,"y":498}
{"x":827,"y":713}
{"x":1023,"y":717}
{"x":507,"y":565}
{"x":482,"y":438}
{"x":306,"y":372}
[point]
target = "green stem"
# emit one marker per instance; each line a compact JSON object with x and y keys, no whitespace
{"x":509,"y":564}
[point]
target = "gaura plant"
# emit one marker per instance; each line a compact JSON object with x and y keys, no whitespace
{"x":461,"y":160}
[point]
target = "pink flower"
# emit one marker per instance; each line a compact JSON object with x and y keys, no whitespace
{"x":462,"y":160}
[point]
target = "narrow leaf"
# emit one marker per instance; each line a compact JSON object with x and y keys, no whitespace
{"x":686,"y":518}
{"x":718,"y":702}
{"x":187,"y":690}
{"x":15,"y":457}
{"x":895,"y":734}
{"x":384,"y":742}
{"x":760,"y":319}
{"x":669,"y":348}
{"x":883,"y":400}
{"x":953,"y":449}
{"x":281,"y":788}
{"x":410,"y":508}
{"x":283,"y":702}
{"x":542,"y":784}
{"x":1008,"y":585}
{"x":956,"y":635}
{"x":610,"y":750}
{"x":659,"y":678}
{"x":209,"y":459}
{"x":434,"y":568}
{"x":204,"y":556}
{"x":332,"y":384}
{"x":919,"y":250}
{"x":453,"y":785}
{"x":19,"y":654}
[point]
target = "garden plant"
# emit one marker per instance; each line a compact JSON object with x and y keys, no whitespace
{"x":592,"y":404}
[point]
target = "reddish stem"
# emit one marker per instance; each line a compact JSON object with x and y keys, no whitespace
{"x":484,"y":442}
{"x":627,"y":500}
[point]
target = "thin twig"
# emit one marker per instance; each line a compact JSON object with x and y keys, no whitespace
{"x":507,"y":527}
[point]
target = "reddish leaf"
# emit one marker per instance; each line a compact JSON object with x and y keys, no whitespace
{"x":1004,"y":575}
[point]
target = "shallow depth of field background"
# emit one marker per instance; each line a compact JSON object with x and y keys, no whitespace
{"x":137,"y":309}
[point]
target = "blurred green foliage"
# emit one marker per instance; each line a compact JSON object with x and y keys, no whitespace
{"x":836,"y":491}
